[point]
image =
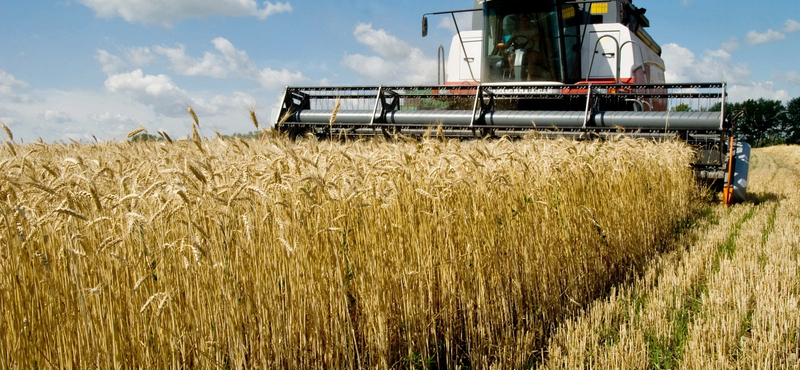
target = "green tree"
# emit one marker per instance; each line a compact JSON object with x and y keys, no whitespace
{"x":143,"y":138}
{"x":682,"y":108}
{"x":761,"y":123}
{"x":792,"y":121}
{"x":730,"y":109}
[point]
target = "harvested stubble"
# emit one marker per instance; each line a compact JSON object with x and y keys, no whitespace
{"x":728,"y":300}
{"x":268,"y":254}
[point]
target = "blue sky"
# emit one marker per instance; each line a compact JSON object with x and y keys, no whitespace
{"x":71,"y":69}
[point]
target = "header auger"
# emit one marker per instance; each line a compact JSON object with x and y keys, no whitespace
{"x":581,"y":69}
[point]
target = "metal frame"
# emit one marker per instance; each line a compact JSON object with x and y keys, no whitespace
{"x":386,"y":101}
{"x":475,"y":111}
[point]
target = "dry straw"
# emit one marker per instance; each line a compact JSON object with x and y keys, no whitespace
{"x":165,"y":136}
{"x":8,"y":132}
{"x":324,"y":254}
{"x":335,"y":111}
{"x":135,"y":132}
{"x":253,"y":118}
{"x":194,"y":116}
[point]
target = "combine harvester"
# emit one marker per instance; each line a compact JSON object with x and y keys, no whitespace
{"x":566,"y":68}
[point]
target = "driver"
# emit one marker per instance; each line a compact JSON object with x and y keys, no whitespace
{"x":526,"y":38}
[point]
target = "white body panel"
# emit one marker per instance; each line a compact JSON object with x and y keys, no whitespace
{"x":607,"y":51}
{"x":458,"y":64}
{"x":605,"y":61}
{"x":601,"y":46}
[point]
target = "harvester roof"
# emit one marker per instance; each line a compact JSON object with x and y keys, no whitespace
{"x":603,"y":11}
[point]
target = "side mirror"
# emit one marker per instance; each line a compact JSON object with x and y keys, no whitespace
{"x":424,"y":26}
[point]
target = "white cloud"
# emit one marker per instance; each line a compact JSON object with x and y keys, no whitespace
{"x":167,"y":12}
{"x":790,"y":77}
{"x":720,"y":54}
{"x":755,"y":38}
{"x":396,"y":62}
{"x":226,"y":61}
{"x":7,"y":114}
{"x":237,"y":59}
{"x":80,"y":114}
{"x":271,"y":78}
{"x":11,"y":81}
{"x":136,"y":56}
{"x":139,"y":56}
{"x":271,"y":9}
{"x":791,"y":26}
{"x":110,"y":63}
{"x":156,"y":91}
{"x":9,"y":88}
{"x":381,"y":42}
{"x":136,"y":81}
{"x":72,"y":114}
{"x":756,"y":90}
{"x":464,"y":22}
{"x":715,"y":66}
{"x":107,"y":118}
{"x":156,"y":98}
{"x":55,"y":116}
{"x":165,"y":98}
{"x":219,"y":104}
{"x":373,"y":67}
{"x":211,"y":65}
{"x":730,"y":46}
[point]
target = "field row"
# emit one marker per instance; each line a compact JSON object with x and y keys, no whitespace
{"x":729,"y":300}
{"x":248,"y":254}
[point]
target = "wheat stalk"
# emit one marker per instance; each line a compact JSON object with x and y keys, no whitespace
{"x":11,"y":147}
{"x":194,"y":116}
{"x":70,"y":212}
{"x":335,"y":111}
{"x":358,"y":254}
{"x":253,"y":118}
{"x":8,"y":132}
{"x":195,"y":134}
{"x":97,"y":203}
{"x":199,"y":175}
{"x":135,"y":132}
{"x":139,"y":283}
{"x":165,"y":136}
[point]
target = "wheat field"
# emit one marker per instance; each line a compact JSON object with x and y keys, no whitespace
{"x":726,"y":299}
{"x":231,"y":253}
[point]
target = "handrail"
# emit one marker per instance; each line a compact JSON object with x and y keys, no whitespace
{"x":441,"y":69}
{"x":641,"y":55}
{"x":644,"y":66}
{"x":588,"y":103}
{"x":616,"y":56}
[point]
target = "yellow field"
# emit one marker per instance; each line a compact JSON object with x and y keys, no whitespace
{"x":728,"y":299}
{"x":212,"y":253}
{"x":418,"y":254}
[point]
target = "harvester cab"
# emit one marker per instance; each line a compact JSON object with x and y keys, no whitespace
{"x":566,"y":68}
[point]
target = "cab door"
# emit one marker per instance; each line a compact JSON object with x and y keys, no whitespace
{"x":472,"y":44}
{"x":604,"y":53}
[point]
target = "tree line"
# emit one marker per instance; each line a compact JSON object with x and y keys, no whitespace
{"x":762,"y":122}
